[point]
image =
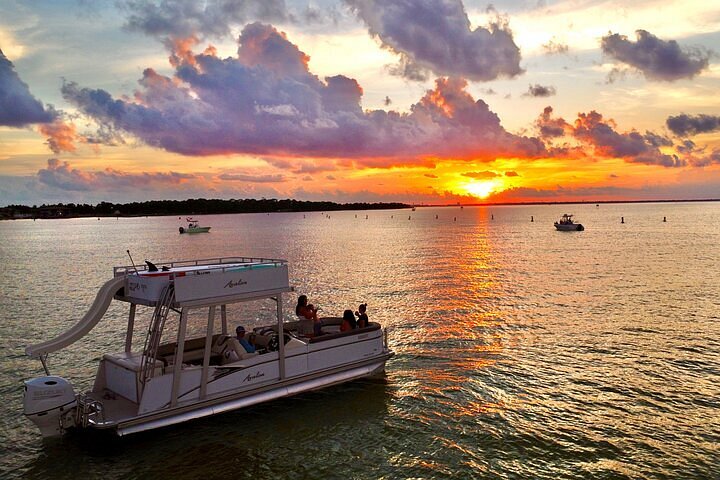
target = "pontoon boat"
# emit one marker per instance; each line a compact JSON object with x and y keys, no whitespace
{"x":161,"y":384}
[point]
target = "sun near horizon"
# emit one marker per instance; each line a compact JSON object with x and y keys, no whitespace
{"x":483,"y":189}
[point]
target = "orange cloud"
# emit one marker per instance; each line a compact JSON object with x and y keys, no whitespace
{"x":61,"y":136}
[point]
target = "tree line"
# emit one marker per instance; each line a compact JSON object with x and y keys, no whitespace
{"x":195,"y":206}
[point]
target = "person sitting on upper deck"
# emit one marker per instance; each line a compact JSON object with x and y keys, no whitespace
{"x":362,"y":320}
{"x":348,"y":322}
{"x":247,"y":345}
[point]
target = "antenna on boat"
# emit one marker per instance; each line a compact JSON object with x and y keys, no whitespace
{"x":131,"y":261}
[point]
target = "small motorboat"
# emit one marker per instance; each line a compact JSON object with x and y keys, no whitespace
{"x":567,"y":224}
{"x":193,"y":227}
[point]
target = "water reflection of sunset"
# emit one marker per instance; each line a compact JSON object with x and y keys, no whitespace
{"x":461,"y":334}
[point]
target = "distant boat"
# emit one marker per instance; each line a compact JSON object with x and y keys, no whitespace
{"x":567,"y":224}
{"x":193,"y":227}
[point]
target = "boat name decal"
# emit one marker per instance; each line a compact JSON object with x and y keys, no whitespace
{"x":252,"y":377}
{"x":237,"y":283}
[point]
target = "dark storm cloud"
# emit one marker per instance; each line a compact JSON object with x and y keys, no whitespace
{"x":266,"y":102}
{"x":684,"y":125}
{"x":18,"y":107}
{"x":436,"y":35}
{"x":657,"y":59}
{"x":538,"y":90}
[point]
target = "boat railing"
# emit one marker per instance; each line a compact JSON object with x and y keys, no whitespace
{"x":214,"y":264}
{"x":89,"y":411}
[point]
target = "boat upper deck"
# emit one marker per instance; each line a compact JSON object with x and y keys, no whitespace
{"x":205,"y":281}
{"x":190,"y":267}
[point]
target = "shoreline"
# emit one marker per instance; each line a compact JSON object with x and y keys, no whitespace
{"x":314,"y":207}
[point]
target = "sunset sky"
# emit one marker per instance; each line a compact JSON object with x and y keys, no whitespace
{"x":427,"y":101}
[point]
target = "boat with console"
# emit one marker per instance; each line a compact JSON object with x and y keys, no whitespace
{"x":188,"y":377}
{"x":567,"y":224}
{"x":194,"y":227}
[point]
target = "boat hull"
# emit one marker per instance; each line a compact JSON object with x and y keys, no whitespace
{"x":195,"y":230}
{"x":246,"y":399}
{"x":310,"y":364}
{"x":575,"y":227}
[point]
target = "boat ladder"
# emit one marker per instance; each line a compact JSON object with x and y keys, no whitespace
{"x":155,"y":329}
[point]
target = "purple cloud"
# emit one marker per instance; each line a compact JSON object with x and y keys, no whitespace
{"x":684,"y":125}
{"x":551,"y":127}
{"x":61,"y":175}
{"x":436,"y":35}
{"x":538,"y":90}
{"x":705,"y":160}
{"x":657,"y":59}
{"x":633,"y":147}
{"x":234,"y":177}
{"x":185,"y":18}
{"x":18,"y":107}
{"x":266,"y":102}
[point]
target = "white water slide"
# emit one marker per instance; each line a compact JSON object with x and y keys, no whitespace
{"x":80,"y":329}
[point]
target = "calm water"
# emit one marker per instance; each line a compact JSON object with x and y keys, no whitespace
{"x":521,"y":352}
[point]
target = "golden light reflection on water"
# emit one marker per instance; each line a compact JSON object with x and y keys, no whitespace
{"x":465,"y":327}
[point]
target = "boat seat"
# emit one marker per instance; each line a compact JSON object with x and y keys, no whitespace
{"x":193,"y":351}
{"x":305,"y":326}
{"x":129,"y":360}
{"x":238,"y":352}
{"x":372,"y":326}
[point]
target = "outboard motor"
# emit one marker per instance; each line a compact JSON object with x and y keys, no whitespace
{"x":50,"y":403}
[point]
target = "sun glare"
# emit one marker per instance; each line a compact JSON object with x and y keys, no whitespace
{"x":481,"y":189}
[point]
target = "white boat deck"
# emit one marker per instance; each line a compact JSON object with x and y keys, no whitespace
{"x":115,"y":407}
